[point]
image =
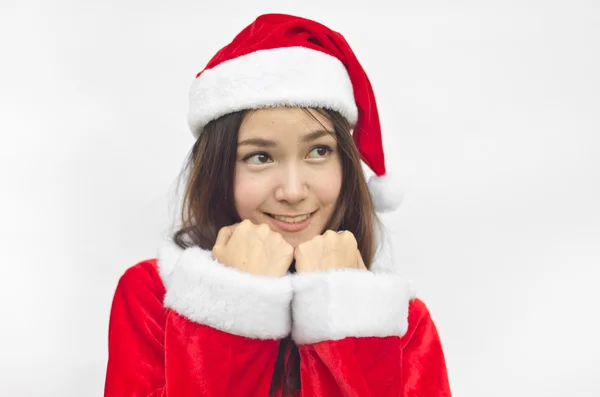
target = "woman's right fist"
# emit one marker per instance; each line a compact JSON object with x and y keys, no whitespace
{"x":254,"y":249}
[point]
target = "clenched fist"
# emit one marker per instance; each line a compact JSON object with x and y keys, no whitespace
{"x":329,"y":251}
{"x":254,"y":249}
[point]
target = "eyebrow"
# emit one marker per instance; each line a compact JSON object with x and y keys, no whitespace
{"x":269,"y":144}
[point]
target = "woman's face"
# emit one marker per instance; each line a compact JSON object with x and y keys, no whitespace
{"x":288,"y":172}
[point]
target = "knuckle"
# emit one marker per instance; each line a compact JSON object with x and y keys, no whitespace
{"x":350,"y":239}
{"x":302,"y":246}
{"x":245,"y":224}
{"x":221,"y":234}
{"x":275,"y":236}
{"x":224,"y":229}
{"x":348,"y":235}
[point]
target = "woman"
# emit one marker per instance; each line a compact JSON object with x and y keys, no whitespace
{"x":271,"y":286}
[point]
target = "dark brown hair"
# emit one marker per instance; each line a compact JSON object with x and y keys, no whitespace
{"x":208,"y":205}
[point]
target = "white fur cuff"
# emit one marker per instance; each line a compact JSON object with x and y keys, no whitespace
{"x":347,"y":302}
{"x":207,"y":292}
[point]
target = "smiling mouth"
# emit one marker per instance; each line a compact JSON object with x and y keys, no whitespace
{"x":292,"y":220}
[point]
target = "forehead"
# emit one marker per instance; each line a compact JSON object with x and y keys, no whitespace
{"x":282,"y":122}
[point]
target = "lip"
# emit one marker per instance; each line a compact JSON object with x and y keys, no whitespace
{"x":293,"y":215}
{"x":291,"y":227}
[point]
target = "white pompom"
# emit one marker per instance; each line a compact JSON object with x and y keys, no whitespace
{"x":387,"y":192}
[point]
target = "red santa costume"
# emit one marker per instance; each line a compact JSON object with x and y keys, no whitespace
{"x":183,"y":324}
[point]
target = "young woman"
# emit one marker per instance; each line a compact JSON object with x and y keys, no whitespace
{"x":272,"y":286}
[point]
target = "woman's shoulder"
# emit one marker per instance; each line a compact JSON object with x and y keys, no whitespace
{"x":419,"y":319}
{"x":417,"y":308}
{"x":151,"y":275}
{"x":142,"y":276}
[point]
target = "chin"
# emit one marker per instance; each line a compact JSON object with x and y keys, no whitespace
{"x":295,"y":241}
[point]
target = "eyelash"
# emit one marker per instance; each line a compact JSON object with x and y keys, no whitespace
{"x":327,"y":148}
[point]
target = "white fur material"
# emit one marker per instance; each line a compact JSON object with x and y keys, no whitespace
{"x":387,"y":192}
{"x":289,"y":76}
{"x":207,"y":292}
{"x":342,"y":303}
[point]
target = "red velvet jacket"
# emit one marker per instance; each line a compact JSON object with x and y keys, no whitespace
{"x":184,"y":325}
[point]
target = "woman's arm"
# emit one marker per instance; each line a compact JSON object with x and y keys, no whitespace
{"x":364,"y":335}
{"x":203,"y":330}
{"x":423,"y":364}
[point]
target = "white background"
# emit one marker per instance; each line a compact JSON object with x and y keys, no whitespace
{"x":490,"y":113}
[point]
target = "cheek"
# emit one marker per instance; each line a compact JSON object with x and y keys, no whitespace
{"x":328,"y":186}
{"x":248,"y":193}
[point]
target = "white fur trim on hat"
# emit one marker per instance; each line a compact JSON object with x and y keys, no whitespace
{"x":207,"y":292}
{"x":341,"y":303}
{"x":288,"y":76}
{"x":386,"y":191}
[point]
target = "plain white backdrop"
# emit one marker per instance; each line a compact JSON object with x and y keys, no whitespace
{"x":490,"y":113}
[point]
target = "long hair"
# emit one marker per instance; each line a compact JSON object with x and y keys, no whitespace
{"x":208,"y":205}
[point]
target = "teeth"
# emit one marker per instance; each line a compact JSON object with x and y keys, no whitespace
{"x":291,"y":220}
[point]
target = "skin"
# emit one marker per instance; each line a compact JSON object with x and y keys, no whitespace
{"x":289,"y":176}
{"x":286,"y":164}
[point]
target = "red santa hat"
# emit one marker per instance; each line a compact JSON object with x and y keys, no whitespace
{"x":284,"y":60}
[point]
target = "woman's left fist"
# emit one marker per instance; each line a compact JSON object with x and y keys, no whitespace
{"x":331,"y":250}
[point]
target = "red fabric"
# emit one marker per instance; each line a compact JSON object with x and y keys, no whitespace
{"x":410,"y":366}
{"x":155,"y":352}
{"x":270,"y":31}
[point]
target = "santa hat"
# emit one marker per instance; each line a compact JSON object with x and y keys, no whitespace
{"x":284,"y":60}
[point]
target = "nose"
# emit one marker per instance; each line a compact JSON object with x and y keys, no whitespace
{"x":292,"y":186}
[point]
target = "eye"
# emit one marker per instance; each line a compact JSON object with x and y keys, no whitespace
{"x":257,"y":158}
{"x":321,"y":151}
